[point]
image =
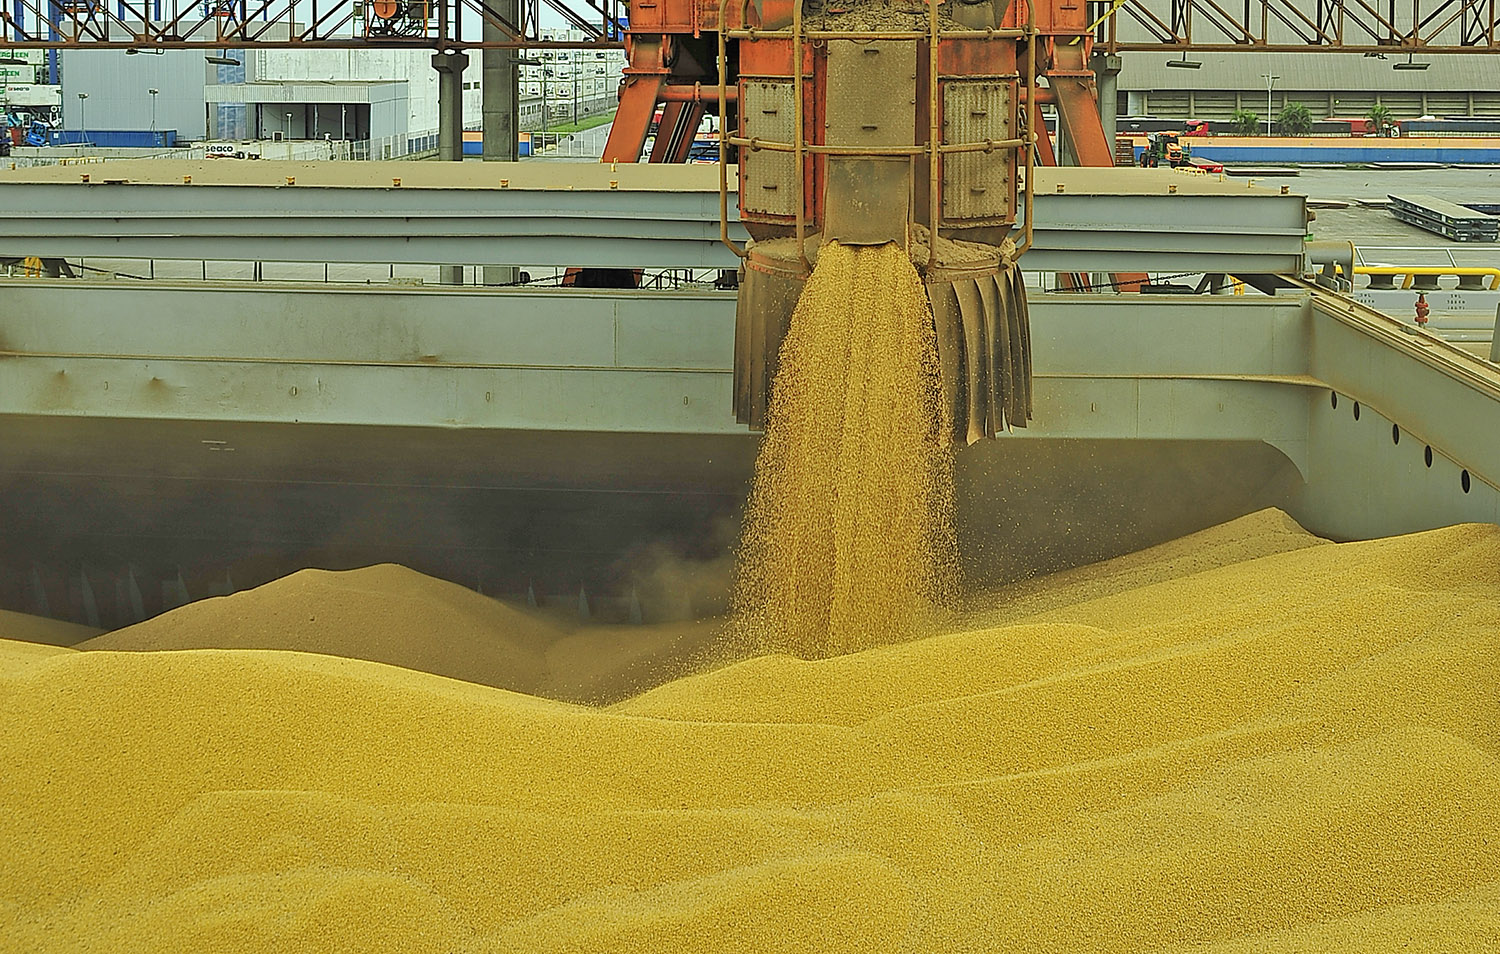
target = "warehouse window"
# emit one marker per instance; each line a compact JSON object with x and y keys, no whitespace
{"x":231,"y":122}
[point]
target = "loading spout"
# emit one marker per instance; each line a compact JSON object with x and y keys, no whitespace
{"x":978,"y":309}
{"x":910,"y":136}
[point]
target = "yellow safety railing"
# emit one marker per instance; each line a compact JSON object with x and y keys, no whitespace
{"x":1411,"y":271}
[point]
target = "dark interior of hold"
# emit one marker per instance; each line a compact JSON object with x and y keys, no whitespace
{"x":107,"y":521}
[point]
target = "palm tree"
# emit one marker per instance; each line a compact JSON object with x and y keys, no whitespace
{"x":1244,"y":122}
{"x":1294,"y":120}
{"x":1380,"y":114}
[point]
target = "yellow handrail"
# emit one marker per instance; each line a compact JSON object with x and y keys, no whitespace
{"x":724,"y":136}
{"x":1413,"y":270}
{"x":1029,"y":194}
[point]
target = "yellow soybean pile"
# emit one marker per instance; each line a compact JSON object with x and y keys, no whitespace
{"x":394,"y":615}
{"x":848,"y":536}
{"x":1284,"y":745}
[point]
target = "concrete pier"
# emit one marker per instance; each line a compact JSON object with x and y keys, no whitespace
{"x":450,"y":67}
{"x":1107,"y":81}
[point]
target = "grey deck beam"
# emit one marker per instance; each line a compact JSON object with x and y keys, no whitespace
{"x":580,"y":214}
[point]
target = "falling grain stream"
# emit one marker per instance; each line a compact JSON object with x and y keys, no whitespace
{"x":848,"y":539}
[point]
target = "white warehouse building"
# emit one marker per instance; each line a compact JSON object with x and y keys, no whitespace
{"x":358,"y":94}
{"x":569,"y":84}
{"x":260,"y":94}
{"x":338,"y":94}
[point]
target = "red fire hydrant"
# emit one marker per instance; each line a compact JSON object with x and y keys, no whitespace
{"x":1422,"y":309}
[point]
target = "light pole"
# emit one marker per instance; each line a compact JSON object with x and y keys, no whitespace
{"x":288,"y":133}
{"x":153,"y":91}
{"x":1270,"y":82}
{"x":82,"y":126}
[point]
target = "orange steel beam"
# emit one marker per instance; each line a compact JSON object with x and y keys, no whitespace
{"x":1045,"y":152}
{"x":692,"y":118}
{"x":698,"y":93}
{"x":674,"y":137}
{"x":1072,"y":84}
{"x":644,"y":79}
{"x":666,"y":132}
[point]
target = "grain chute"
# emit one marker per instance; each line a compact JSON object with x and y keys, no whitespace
{"x":866,"y":122}
{"x":873,"y":125}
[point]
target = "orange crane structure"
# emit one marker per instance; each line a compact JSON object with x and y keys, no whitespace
{"x":867,"y":122}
